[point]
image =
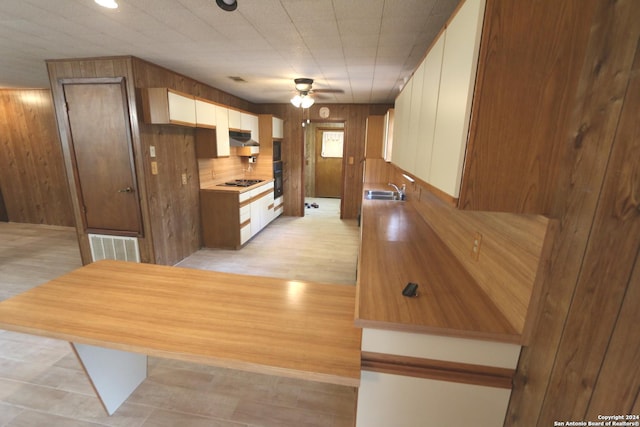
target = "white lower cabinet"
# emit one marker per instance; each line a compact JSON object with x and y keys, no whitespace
{"x":261,"y":207}
{"x":245,"y":224}
{"x":230,"y":219}
{"x":278,"y":206}
{"x":396,"y":400}
{"x":245,"y":234}
{"x":393,"y":395}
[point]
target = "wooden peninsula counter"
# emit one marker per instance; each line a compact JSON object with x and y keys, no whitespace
{"x":115,"y":313}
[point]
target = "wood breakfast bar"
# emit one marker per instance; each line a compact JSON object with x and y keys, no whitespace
{"x":116,"y":313}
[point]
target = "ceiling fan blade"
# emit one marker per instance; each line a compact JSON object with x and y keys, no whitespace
{"x":327,"y":90}
{"x":320,"y":96}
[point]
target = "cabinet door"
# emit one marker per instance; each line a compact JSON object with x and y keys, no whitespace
{"x":389,"y":119}
{"x":222,"y":132}
{"x":278,"y":127}
{"x":256,"y":215}
{"x":428,"y":107}
{"x":245,"y":234}
{"x":266,"y":206}
{"x":396,"y":400}
{"x":182,"y":108}
{"x":205,"y":114}
{"x":457,"y":82}
{"x":161,"y":105}
{"x":278,"y":206}
{"x":414,"y":119}
{"x":234,"y":119}
{"x":374,"y":137}
{"x":401,"y":154}
{"x":251,"y":123}
{"x":245,"y":223}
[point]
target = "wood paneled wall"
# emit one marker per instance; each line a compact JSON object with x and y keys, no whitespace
{"x":174,"y":208}
{"x":32,"y":176}
{"x":584,"y":359}
{"x":354,"y":117}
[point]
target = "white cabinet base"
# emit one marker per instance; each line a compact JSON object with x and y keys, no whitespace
{"x":392,"y":400}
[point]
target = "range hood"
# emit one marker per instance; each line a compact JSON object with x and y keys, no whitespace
{"x":241,"y":139}
{"x":247,"y":147}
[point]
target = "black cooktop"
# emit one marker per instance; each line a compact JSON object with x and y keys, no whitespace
{"x":242,"y":182}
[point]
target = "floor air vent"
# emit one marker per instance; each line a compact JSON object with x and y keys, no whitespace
{"x":114,"y":247}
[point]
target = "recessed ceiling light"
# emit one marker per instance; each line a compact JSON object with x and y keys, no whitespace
{"x":228,"y":5}
{"x":109,"y":4}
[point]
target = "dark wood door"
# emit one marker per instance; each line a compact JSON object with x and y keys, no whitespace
{"x":328,"y":169}
{"x":102,"y":150}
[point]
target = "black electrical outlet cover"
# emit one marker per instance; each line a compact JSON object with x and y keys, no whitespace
{"x":411,"y":290}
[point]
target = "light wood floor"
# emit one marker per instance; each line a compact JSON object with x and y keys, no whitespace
{"x":318,"y":247}
{"x":42,"y":384}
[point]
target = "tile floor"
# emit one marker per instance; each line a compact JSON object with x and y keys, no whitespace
{"x":42,"y":383}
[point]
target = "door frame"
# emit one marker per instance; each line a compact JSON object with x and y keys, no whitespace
{"x":303,"y":172}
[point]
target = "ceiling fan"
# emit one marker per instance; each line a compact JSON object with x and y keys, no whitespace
{"x":303,"y":98}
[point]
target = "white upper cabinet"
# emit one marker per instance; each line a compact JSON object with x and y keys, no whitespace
{"x":222,"y":131}
{"x":428,"y":109}
{"x":250,"y":122}
{"x":415,"y":118}
{"x":235,"y":120}
{"x":387,"y":143}
{"x":459,"y":63}
{"x":182,"y":108}
{"x":401,"y":153}
{"x":205,"y":113}
{"x":162,"y":105}
{"x":434,"y":108}
{"x":278,"y":127}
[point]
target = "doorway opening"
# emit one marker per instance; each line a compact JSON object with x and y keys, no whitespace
{"x":323,"y":171}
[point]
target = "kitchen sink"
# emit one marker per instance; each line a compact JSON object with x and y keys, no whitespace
{"x":381,"y":195}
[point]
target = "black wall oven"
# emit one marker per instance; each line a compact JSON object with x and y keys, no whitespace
{"x":277,"y":179}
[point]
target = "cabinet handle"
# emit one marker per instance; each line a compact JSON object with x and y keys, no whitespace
{"x":126,"y":190}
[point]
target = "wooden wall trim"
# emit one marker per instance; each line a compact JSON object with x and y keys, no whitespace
{"x":437,"y":370}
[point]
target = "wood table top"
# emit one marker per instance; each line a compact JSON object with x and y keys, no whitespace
{"x":398,"y":247}
{"x":274,"y":326}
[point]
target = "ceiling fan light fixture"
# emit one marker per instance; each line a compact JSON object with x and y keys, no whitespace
{"x":302,"y":101}
{"x":307,"y":101}
{"x":303,"y":84}
{"x":228,"y":5}
{"x":296,"y":101}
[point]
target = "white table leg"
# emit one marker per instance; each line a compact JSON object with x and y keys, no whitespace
{"x":114,"y":374}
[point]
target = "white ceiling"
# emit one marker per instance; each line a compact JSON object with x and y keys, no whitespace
{"x":364,"y":47}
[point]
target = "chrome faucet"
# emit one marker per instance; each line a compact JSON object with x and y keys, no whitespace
{"x":402,"y":192}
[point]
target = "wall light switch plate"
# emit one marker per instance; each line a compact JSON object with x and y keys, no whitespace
{"x":184,"y":179}
{"x":154,"y":168}
{"x":152,"y":150}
